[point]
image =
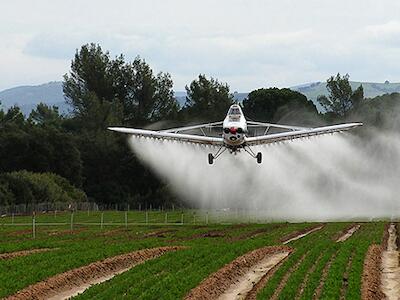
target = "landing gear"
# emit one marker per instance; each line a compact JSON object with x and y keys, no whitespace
{"x":212,"y":157}
{"x":259,"y":157}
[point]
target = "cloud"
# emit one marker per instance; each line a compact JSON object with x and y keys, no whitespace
{"x":387,"y":34}
{"x":247,"y":44}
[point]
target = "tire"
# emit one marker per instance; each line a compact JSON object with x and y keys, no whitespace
{"x":259,"y":157}
{"x":210,"y":159}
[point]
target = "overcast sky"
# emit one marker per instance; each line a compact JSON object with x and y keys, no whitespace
{"x":248,"y":44}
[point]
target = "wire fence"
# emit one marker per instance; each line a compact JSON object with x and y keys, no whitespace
{"x":75,"y":215}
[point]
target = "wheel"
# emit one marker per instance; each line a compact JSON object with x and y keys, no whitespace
{"x":259,"y":157}
{"x":210,"y":158}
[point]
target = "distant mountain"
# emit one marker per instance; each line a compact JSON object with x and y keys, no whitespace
{"x":371,"y":89}
{"x":181,"y":97}
{"x":27,"y":97}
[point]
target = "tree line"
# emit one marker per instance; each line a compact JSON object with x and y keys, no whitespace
{"x":104,"y":91}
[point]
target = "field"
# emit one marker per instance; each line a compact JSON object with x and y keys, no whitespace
{"x":204,"y":260}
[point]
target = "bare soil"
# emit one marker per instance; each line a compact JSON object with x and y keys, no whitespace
{"x":258,"y":286}
{"x":390,"y":277}
{"x":257,"y":232}
{"x":371,"y":277}
{"x":300,"y":233}
{"x":71,"y":283}
{"x":245,"y":284}
{"x":20,"y":232}
{"x":64,"y":232}
{"x":10,"y":255}
{"x":347,"y":233}
{"x":221,"y":281}
{"x":159,"y":233}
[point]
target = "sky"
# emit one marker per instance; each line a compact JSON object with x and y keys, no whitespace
{"x":247,"y":44}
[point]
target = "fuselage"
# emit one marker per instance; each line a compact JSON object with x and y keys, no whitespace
{"x":234,"y":127}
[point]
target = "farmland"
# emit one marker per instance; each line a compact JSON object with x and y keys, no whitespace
{"x":316,"y":267}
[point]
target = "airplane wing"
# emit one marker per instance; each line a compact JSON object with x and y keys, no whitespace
{"x":298,"y":133}
{"x":201,"y":126}
{"x":166,"y":135}
{"x":269,"y":125}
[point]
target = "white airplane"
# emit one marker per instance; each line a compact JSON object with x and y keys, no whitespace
{"x":235,"y":133}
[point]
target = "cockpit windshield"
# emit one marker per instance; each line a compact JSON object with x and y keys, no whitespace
{"x":234,"y":110}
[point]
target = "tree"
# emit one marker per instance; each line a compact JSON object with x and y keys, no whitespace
{"x":275,"y":104}
{"x":104,"y":91}
{"x":207,"y":99}
{"x":341,"y":98}
{"x":149,"y":98}
{"x":46,"y":116}
{"x":357,"y":97}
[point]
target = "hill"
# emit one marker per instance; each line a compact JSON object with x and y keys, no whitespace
{"x":371,"y":89}
{"x":27,"y":97}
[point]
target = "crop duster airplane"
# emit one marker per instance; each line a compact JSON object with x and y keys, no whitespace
{"x":234,"y":137}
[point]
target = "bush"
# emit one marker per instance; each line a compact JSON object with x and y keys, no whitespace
{"x":23,"y":187}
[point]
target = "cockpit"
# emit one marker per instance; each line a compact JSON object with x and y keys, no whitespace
{"x":234,"y":111}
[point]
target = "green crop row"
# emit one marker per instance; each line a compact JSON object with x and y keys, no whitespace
{"x":88,"y":244}
{"x":318,"y":239}
{"x":173,"y":276}
{"x":356,"y":248}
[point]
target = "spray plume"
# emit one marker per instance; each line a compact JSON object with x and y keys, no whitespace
{"x":333,"y":177}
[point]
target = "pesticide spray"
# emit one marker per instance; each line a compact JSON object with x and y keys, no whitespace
{"x":332,"y":177}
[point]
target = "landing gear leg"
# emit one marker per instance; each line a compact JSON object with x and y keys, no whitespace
{"x":212,"y":157}
{"x":257,"y":156}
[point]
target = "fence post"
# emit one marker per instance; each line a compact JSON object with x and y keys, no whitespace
{"x":166,"y":217}
{"x":33,"y":226}
{"x":147,"y":217}
{"x":102,"y":219}
{"x":194,"y":219}
{"x":207,"y":218}
{"x":126,"y":219}
{"x":72,"y":221}
{"x":182,"y":218}
{"x":12,"y":218}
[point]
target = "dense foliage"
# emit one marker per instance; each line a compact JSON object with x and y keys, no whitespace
{"x":280,"y":105}
{"x":22,"y":187}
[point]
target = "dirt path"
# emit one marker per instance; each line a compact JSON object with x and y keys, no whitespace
{"x":15,"y":254}
{"x":236,"y":277}
{"x":371,"y":277}
{"x":301,"y":234}
{"x":73,"y":282}
{"x":390,"y":267}
{"x":245,"y":283}
{"x":348,"y":233}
